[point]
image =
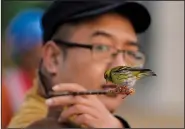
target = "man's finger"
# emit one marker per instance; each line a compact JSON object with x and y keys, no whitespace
{"x":76,"y":110}
{"x":60,"y":101}
{"x":68,"y":87}
{"x":85,"y":119}
{"x":67,"y":100}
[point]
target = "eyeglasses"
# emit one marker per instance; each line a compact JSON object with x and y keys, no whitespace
{"x":101,"y":52}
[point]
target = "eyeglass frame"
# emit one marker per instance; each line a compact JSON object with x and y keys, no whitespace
{"x":88,"y":46}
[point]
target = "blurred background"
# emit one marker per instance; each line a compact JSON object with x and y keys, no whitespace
{"x":158,"y":101}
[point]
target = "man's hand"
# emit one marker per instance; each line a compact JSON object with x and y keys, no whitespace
{"x":86,"y":110}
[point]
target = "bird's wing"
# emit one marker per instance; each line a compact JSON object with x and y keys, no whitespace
{"x":120,"y":76}
{"x":127,"y":78}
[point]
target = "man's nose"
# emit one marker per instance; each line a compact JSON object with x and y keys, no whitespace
{"x":118,"y":60}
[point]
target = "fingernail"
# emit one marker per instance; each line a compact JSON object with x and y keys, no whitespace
{"x":55,"y":87}
{"x":49,"y":102}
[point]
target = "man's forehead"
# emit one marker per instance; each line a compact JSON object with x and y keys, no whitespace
{"x":114,"y":34}
{"x":114,"y":25}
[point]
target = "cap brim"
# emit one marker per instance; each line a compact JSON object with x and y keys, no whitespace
{"x":135,"y":12}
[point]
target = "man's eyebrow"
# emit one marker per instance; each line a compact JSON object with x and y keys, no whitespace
{"x":102,"y":33}
{"x":133,"y":44}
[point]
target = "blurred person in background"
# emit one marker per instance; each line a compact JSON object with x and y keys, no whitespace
{"x":24,"y":39}
{"x":95,"y":30}
{"x":6,"y":107}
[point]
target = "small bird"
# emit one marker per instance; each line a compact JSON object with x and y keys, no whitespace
{"x":125,"y":77}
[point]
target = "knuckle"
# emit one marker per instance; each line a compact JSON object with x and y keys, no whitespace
{"x":77,"y":107}
{"x":57,"y":101}
{"x":54,"y":101}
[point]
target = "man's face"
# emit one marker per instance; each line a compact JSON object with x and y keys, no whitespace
{"x":81,"y":67}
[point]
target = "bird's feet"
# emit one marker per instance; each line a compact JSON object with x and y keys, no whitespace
{"x":121,"y":89}
{"x":130,"y":91}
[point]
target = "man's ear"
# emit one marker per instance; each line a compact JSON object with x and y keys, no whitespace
{"x":51,"y":55}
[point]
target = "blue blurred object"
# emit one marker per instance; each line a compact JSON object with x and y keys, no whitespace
{"x":24,"y":31}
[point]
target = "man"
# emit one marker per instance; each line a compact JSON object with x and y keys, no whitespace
{"x":81,"y":41}
{"x":24,"y":39}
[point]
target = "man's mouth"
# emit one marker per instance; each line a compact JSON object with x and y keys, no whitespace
{"x":108,"y":86}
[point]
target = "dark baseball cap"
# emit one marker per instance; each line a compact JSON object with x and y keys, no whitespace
{"x":61,"y":12}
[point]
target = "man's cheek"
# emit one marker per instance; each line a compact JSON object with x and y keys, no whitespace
{"x":99,"y":73}
{"x":93,"y":77}
{"x":101,"y":70}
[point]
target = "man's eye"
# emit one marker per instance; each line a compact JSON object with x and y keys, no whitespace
{"x":135,"y":55}
{"x":101,"y":48}
{"x":131,"y":53}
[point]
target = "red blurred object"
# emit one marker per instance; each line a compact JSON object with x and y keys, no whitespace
{"x":6,"y":107}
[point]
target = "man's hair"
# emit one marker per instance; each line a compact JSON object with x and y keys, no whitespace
{"x":66,"y":31}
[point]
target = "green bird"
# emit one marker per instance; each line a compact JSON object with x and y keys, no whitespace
{"x":125,"y":77}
